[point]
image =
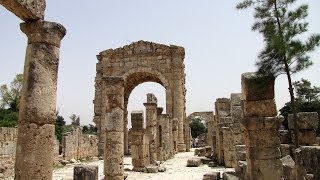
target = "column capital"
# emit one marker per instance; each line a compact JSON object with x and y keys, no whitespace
{"x":43,"y":32}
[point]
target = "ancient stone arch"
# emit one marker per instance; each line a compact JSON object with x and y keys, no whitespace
{"x":120,"y":70}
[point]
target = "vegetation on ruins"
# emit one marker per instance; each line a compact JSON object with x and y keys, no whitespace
{"x":60,"y":126}
{"x":197,"y":127}
{"x":285,"y":52}
{"x":307,"y":98}
{"x":9,"y":102}
{"x":91,"y":129}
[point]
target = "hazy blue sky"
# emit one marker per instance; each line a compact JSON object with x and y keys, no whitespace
{"x":217,"y":38}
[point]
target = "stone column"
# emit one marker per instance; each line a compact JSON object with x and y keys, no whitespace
{"x":125,"y":127}
{"x":261,"y":127}
{"x":34,"y":153}
{"x":175,"y":135}
{"x":139,"y":142}
{"x":151,"y":120}
{"x":114,"y":148}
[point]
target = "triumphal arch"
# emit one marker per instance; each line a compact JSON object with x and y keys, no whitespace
{"x":119,"y":71}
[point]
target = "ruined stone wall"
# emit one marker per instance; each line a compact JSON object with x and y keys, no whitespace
{"x":8,"y":140}
{"x":76,"y":145}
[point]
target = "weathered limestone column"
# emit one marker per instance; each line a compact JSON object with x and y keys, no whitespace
{"x":114,"y":147}
{"x":151,"y":120}
{"x":139,"y":142}
{"x":34,"y":153}
{"x":175,"y":134}
{"x":261,"y":128}
{"x":125,"y":127}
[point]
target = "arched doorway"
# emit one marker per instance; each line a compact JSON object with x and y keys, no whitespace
{"x":119,"y":71}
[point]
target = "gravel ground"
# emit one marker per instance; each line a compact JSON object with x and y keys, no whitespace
{"x":176,"y":169}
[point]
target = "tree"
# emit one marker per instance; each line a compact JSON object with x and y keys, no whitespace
{"x":307,"y":98}
{"x":197,"y":127}
{"x":284,"y":53}
{"x":59,"y":126}
{"x":10,"y":97}
{"x":75,"y":120}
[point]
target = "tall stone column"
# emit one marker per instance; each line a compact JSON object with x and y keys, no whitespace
{"x":151,"y":120}
{"x":125,"y":127}
{"x":175,"y":135}
{"x":261,"y":127}
{"x":114,"y":146}
{"x":34,"y":153}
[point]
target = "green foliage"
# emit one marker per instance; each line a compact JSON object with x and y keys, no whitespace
{"x":59,"y":126}
{"x":10,"y":97}
{"x":8,"y":118}
{"x":91,"y":129}
{"x":197,"y":127}
{"x":281,"y":27}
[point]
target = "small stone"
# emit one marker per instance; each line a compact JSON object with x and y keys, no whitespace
{"x":152,"y":169}
{"x":193,"y":162}
{"x":162,"y":169}
{"x":211,"y":176}
{"x":64,"y":162}
{"x":73,"y":161}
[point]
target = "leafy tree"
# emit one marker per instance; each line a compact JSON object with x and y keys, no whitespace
{"x":91,"y":129}
{"x":10,"y":97}
{"x":85,"y":129}
{"x":59,"y":126}
{"x":197,"y":127}
{"x":8,"y":118}
{"x":284,"y":53}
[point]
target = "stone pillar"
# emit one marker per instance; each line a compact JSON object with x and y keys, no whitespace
{"x":35,"y":144}
{"x":175,"y":134}
{"x":139,"y":142}
{"x":307,"y":124}
{"x":261,"y":127}
{"x":125,"y":127}
{"x":151,"y":120}
{"x":114,"y":148}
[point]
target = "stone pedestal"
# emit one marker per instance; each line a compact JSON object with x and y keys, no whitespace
{"x":34,"y":153}
{"x":81,"y":172}
{"x":261,"y":132}
{"x":139,"y":142}
{"x":151,"y":120}
{"x":114,"y":147}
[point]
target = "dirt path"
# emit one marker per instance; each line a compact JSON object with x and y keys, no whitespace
{"x":176,"y":169}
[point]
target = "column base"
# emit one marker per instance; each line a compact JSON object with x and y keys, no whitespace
{"x":181,"y":147}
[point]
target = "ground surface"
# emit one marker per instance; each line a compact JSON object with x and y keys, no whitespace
{"x":176,"y":169}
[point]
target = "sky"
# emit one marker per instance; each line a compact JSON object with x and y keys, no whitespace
{"x":217,"y":38}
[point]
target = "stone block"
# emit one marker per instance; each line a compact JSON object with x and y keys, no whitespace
{"x":162,"y":169}
{"x":256,"y":88}
{"x":308,"y":157}
{"x":211,"y":176}
{"x":226,"y":120}
{"x":113,"y":167}
{"x":261,"y":123}
{"x":263,"y":108}
{"x":306,"y":137}
{"x":82,"y":172}
{"x":152,"y":169}
{"x":242,"y":169}
{"x":240,"y":152}
{"x":236,"y":113}
{"x":263,"y":153}
{"x":26,"y":10}
{"x":266,"y":169}
{"x":193,"y":162}
{"x":288,"y":165}
{"x":306,"y":120}
{"x":262,"y":138}
{"x":137,"y":120}
{"x":235,"y":99}
{"x":114,"y":120}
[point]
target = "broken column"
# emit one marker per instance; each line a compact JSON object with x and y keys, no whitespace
{"x":222,"y":110}
{"x":307,"y":125}
{"x":139,"y":142}
{"x":151,"y":121}
{"x":114,"y":147}
{"x":165,"y":140}
{"x":261,"y":127}
{"x":36,"y":129}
